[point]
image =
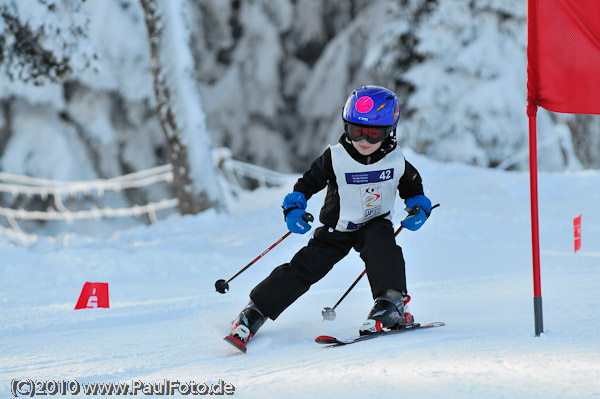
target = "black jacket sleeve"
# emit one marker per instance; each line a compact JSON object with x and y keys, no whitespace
{"x":315,"y":179}
{"x":410,"y":183}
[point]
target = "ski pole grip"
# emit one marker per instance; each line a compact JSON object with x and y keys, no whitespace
{"x":308,"y":218}
{"x":414,"y":210}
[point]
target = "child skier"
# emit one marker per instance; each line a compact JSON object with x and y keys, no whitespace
{"x":362,"y":173}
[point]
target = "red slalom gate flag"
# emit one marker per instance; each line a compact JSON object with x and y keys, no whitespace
{"x":577,"y":232}
{"x":93,"y":295}
{"x":563,"y":52}
{"x":563,"y":75}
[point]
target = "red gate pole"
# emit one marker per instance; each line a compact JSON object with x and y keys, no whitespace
{"x":535,"y":233}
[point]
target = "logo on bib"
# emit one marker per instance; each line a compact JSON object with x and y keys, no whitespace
{"x":371,"y":200}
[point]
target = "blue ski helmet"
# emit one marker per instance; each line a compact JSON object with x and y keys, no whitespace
{"x":371,"y":106}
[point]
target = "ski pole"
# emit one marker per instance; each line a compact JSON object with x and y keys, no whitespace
{"x":222,"y":286}
{"x":329,"y":313}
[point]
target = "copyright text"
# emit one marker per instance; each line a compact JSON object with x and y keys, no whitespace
{"x":31,"y":388}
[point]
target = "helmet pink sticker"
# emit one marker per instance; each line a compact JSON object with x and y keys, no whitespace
{"x":364,"y":104}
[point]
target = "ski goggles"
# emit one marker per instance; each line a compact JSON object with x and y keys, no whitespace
{"x":373,"y":134}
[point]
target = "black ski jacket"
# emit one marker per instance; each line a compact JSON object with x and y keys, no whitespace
{"x":321,"y":175}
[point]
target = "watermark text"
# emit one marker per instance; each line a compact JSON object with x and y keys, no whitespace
{"x":31,"y":388}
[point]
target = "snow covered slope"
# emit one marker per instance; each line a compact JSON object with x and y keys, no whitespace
{"x":469,"y":266}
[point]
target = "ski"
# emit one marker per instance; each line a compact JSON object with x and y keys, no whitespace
{"x":327,"y":340}
{"x":236,"y":342}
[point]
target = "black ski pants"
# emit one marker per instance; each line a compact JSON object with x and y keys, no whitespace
{"x":376,"y":244}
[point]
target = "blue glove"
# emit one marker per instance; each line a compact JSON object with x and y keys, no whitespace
{"x":414,"y":222}
{"x":294,"y":205}
{"x":295,"y":222}
{"x":294,"y":200}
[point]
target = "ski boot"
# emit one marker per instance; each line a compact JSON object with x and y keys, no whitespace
{"x":388,"y":313}
{"x":245,"y":326}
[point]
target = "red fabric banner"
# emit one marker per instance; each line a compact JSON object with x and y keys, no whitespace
{"x":563,"y":52}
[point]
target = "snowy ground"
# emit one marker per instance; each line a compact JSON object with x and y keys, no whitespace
{"x":469,"y":266}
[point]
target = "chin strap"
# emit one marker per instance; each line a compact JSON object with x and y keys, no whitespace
{"x":390,"y":142}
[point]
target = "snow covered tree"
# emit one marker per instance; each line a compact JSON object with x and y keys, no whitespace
{"x":459,"y":67}
{"x":179,"y":107}
{"x":469,"y":98}
{"x":463,"y":107}
{"x":39,"y":40}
